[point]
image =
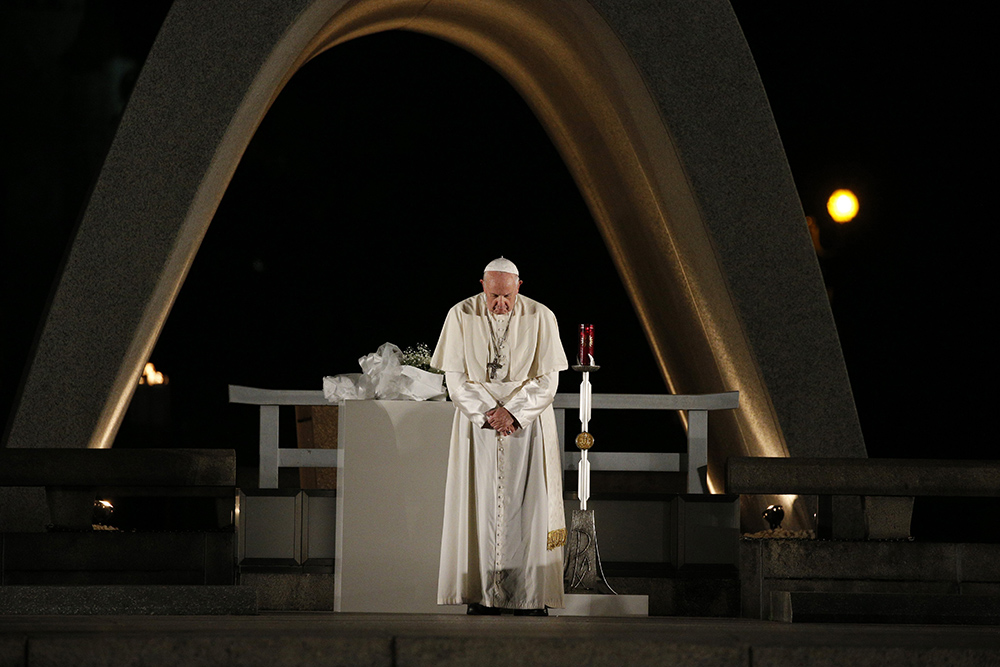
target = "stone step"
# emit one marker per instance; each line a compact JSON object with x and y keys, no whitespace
{"x":895,"y":560}
{"x":166,"y":469}
{"x":128,"y":600}
{"x":604,"y":606}
{"x":708,"y":596}
{"x":716,"y":597}
{"x":114,"y":557}
{"x":388,"y":640}
{"x":890,"y":568}
{"x":832,"y":607}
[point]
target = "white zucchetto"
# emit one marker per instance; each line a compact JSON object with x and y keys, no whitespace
{"x":502,"y":265}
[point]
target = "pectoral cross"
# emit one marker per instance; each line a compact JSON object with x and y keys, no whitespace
{"x":494,"y":366}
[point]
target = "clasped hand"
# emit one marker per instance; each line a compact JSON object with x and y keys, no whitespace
{"x":501,"y":421}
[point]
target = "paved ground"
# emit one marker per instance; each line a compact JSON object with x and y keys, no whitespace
{"x":278,"y":639}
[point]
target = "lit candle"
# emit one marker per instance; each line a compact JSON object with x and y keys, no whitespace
{"x":585,"y":348}
{"x":590,"y":345}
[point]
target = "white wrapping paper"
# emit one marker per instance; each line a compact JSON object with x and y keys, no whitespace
{"x":385,"y":377}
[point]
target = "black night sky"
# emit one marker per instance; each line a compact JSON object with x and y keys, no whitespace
{"x":393,"y":167}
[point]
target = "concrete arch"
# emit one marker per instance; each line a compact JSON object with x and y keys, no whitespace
{"x":658,"y":112}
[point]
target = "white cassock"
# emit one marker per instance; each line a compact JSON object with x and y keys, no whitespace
{"x":504,"y":526}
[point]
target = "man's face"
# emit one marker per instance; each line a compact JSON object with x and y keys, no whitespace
{"x":501,"y":290}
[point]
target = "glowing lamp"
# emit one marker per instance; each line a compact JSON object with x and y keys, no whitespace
{"x":842,"y":205}
{"x":152,"y":376}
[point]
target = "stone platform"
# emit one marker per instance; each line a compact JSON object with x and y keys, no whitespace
{"x":117,"y":558}
{"x":691,"y":592}
{"x":142,"y":600}
{"x":593,"y":604}
{"x":891,"y":581}
{"x":285,"y":639}
{"x":821,"y":606}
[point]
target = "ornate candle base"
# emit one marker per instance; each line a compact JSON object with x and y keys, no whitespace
{"x":582,"y":570}
{"x":585,"y":369}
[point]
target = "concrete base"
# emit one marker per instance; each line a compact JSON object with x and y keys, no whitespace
{"x":584,"y":604}
{"x":117,"y":558}
{"x":900,"y":578}
{"x":696,"y":596}
{"x":823,"y":607}
{"x":388,"y":640}
{"x":128,"y":600}
{"x":291,"y":591}
{"x":887,"y":517}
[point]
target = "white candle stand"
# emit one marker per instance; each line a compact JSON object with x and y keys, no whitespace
{"x":582,"y":571}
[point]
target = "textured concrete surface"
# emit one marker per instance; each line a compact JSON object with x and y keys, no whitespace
{"x":980,"y":562}
{"x":659,"y":112}
{"x":609,"y":652}
{"x":206,"y":651}
{"x":863,"y":477}
{"x":705,"y":597}
{"x":887,"y":517}
{"x":279,"y":640}
{"x":838,"y":656}
{"x":691,"y":596}
{"x":899,"y":567}
{"x":118,"y":467}
{"x":23,"y":509}
{"x":900,"y":607}
{"x":839,"y":517}
{"x":291,"y":592}
{"x":118,"y":557}
{"x":105,"y":600}
{"x":909,"y":561}
{"x":13,"y":651}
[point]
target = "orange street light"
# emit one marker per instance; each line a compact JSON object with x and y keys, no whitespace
{"x":842,"y":205}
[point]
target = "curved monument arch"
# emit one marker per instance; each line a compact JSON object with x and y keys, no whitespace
{"x":658,"y":112}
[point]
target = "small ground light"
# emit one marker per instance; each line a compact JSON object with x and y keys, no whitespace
{"x":103,"y":511}
{"x":842,"y":205}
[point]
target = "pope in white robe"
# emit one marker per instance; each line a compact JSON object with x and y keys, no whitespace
{"x":504,"y":526}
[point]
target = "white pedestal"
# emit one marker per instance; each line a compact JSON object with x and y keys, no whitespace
{"x":390,"y":505}
{"x":583,"y":604}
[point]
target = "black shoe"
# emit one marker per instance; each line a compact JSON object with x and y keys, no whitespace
{"x":476,"y":609}
{"x":531,"y":612}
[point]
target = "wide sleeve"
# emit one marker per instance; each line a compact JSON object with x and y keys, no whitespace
{"x":471,"y":398}
{"x":549,"y":353}
{"x":534,"y":396}
{"x":449,"y":354}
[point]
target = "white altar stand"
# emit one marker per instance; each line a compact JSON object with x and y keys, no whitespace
{"x":390,"y":501}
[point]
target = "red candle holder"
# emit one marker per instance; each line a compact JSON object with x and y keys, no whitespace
{"x":585,"y":348}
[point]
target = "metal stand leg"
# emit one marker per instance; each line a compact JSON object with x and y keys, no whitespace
{"x":582,"y":571}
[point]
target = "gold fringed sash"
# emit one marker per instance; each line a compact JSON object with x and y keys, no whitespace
{"x":557,"y":538}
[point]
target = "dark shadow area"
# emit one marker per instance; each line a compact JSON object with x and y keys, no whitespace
{"x":956,"y":519}
{"x":896,"y":106}
{"x":66,"y":72}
